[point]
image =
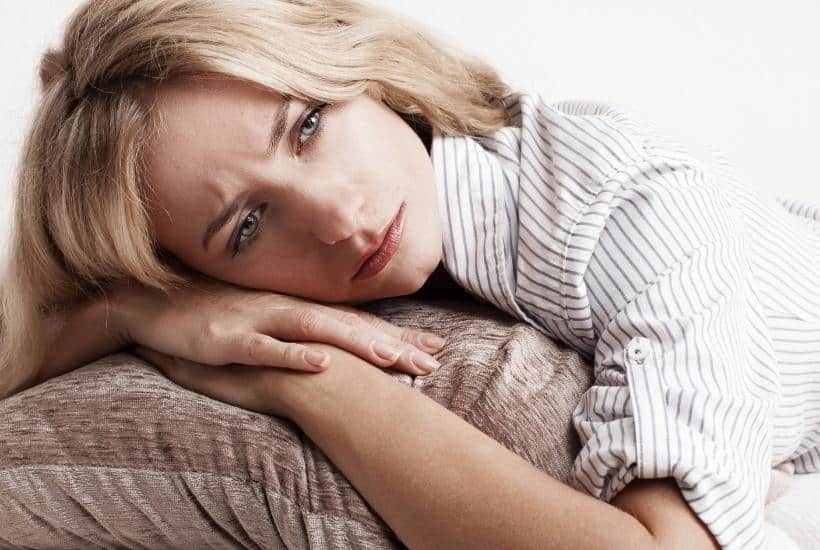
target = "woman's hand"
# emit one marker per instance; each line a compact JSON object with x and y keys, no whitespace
{"x":215,"y":323}
{"x":253,"y":388}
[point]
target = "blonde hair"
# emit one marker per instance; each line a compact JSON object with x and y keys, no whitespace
{"x":80,"y":222}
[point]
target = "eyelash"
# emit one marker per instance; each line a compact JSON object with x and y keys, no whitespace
{"x":316,"y":133}
{"x":240,"y":244}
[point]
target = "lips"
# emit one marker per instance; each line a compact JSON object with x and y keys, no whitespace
{"x":382,"y":251}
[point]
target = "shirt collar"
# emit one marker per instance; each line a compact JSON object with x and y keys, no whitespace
{"x":478,"y":232}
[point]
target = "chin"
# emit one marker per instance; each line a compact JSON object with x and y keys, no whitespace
{"x":388,"y":291}
{"x":408,"y":281}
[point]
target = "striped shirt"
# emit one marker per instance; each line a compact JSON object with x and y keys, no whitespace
{"x":695,"y":299}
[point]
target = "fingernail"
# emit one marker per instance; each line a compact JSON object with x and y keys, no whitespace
{"x":316,"y":358}
{"x":388,"y":353}
{"x":432,"y":341}
{"x":424,"y":361}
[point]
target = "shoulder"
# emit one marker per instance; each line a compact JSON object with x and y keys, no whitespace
{"x":603,"y":132}
{"x":582,"y":159}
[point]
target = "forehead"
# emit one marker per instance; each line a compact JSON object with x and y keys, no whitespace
{"x":184,"y":108}
{"x":204,"y":132}
{"x":201,"y":124}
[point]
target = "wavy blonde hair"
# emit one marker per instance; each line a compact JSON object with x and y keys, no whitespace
{"x":80,"y":220}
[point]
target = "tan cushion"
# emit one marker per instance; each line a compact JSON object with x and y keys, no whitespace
{"x":114,"y":454}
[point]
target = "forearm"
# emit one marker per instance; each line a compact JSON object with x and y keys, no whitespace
{"x":86,"y":332}
{"x":438,"y":481}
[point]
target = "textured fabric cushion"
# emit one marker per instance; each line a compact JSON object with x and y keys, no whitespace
{"x":115,"y":455}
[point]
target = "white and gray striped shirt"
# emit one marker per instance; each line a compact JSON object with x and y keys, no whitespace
{"x":696,"y":299}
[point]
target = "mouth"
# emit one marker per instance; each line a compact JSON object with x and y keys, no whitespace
{"x":389,"y":243}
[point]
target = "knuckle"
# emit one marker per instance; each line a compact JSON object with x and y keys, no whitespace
{"x":234,"y":306}
{"x":376,"y":322}
{"x":350,"y":319}
{"x":254,"y":348}
{"x":354,"y":334}
{"x":213,"y":342}
{"x":308,"y":321}
{"x":293,"y":356}
{"x":408,"y":336}
{"x":204,"y":341}
{"x":210,"y":331}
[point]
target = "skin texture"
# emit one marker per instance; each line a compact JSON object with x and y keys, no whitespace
{"x":322,"y":204}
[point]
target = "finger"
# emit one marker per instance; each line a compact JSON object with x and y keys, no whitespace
{"x":413,"y":358}
{"x":348,"y":331}
{"x":392,"y":351}
{"x":232,"y":384}
{"x":425,"y":341}
{"x":158,"y":359}
{"x":263,"y":350}
{"x":175,"y":368}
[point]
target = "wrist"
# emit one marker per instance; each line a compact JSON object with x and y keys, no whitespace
{"x":119,"y":308}
{"x":302,"y":395}
{"x":106,"y":315}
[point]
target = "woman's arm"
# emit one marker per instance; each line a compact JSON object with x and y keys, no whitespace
{"x":435,"y":479}
{"x":439,"y":482}
{"x":216,"y":323}
{"x":89,"y":330}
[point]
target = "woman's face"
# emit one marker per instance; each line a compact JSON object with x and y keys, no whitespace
{"x":307,"y":210}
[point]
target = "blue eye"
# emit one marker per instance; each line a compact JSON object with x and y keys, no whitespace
{"x":248,"y":229}
{"x":311,"y":125}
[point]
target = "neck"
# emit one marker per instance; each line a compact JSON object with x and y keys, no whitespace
{"x":421,"y":126}
{"x":440,"y":286}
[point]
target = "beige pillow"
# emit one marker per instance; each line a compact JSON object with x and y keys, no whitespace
{"x":114,"y":454}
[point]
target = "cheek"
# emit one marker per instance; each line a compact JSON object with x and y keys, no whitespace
{"x":380,"y":150}
{"x":393,"y":167}
{"x":281,"y":265}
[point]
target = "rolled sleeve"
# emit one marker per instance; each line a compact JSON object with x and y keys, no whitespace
{"x":685,"y":384}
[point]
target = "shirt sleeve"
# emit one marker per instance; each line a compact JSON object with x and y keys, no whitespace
{"x":684,"y":379}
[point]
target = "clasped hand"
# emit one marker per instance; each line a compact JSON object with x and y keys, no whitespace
{"x":264,"y":390}
{"x":216,"y":338}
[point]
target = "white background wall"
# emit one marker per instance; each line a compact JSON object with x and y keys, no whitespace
{"x":741,"y":75}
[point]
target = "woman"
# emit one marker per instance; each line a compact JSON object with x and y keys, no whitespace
{"x":267,"y":150}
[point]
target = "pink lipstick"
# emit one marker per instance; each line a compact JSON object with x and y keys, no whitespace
{"x":388,"y":247}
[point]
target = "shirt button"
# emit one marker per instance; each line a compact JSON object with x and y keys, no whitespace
{"x":637,"y":350}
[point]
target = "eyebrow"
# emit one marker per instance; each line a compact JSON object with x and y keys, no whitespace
{"x":221,"y":219}
{"x":278,"y":130}
{"x":279,"y":125}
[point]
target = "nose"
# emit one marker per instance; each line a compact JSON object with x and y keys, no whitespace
{"x":337,"y":217}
